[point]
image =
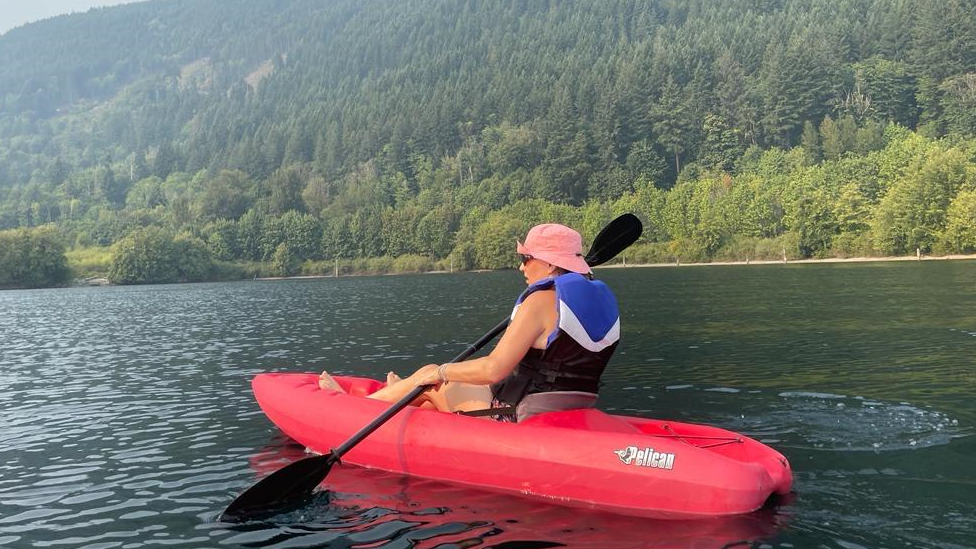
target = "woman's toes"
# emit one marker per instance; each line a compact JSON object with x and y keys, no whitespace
{"x":326,"y":382}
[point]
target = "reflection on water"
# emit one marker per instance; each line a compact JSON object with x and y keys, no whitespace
{"x":126,"y":418}
{"x":367,"y":507}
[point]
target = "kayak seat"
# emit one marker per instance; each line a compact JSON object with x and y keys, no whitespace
{"x":589,"y":419}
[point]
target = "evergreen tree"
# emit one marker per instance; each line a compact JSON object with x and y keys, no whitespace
{"x":645,"y":163}
{"x":671,"y":121}
{"x":287,"y":185}
{"x":781,"y":97}
{"x":165,"y":161}
{"x":720,"y":148}
{"x":810,"y":141}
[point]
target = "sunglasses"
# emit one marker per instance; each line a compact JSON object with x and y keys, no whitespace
{"x":523,"y":259}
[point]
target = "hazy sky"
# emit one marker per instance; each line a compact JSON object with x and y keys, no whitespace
{"x":14,"y":13}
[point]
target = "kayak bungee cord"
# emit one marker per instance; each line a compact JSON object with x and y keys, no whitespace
{"x":674,"y":435}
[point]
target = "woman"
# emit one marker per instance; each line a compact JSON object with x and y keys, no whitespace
{"x":564,"y":328}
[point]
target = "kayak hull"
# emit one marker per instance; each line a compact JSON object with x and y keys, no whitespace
{"x":583,"y":458}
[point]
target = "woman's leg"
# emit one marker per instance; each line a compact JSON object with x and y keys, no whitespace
{"x":327,"y":382}
{"x":460,"y":397}
{"x":394,"y":390}
{"x":449,"y":397}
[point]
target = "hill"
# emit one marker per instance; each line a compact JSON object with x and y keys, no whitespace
{"x":367,"y":114}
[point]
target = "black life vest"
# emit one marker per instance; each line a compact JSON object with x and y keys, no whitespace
{"x":577,"y":351}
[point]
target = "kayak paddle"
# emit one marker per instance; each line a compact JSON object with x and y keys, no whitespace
{"x":613,"y":239}
{"x":290,"y":486}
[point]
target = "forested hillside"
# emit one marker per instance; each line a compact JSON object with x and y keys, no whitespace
{"x":293,"y":131}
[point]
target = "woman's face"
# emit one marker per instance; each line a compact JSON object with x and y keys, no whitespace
{"x":536,"y":270}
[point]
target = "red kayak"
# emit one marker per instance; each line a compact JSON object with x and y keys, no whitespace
{"x":583,"y":458}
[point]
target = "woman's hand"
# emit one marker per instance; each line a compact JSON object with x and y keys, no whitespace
{"x":426,"y":375}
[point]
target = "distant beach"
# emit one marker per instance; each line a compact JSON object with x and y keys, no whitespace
{"x":801,"y":261}
{"x":624,"y":265}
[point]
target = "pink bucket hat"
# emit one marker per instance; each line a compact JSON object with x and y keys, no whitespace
{"x":557,"y":245}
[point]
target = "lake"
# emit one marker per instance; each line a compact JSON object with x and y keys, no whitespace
{"x":126,"y":418}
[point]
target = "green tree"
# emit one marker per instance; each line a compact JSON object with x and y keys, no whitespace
{"x":250,"y":230}
{"x":944,"y":45}
{"x":146,"y":194}
{"x":890,"y":87}
{"x":32,"y":258}
{"x":317,"y":195}
{"x":227,"y":196}
{"x":493,"y":241}
{"x":672,"y":124}
{"x":194,"y":262}
{"x":644,"y":162}
{"x":165,"y":161}
{"x":108,"y":187}
{"x":781,"y":96}
{"x":809,"y":214}
{"x":222,"y":237}
{"x":959,"y":103}
{"x":851,"y":210}
{"x":869,"y":137}
{"x":960,"y":231}
{"x":399,"y":230}
{"x":302,"y":234}
{"x":511,"y":147}
{"x":568,"y":154}
{"x":735,"y":101}
{"x":721,"y":147}
{"x":286,"y":185}
{"x":913,"y":212}
{"x":837,"y":136}
{"x":284,"y":262}
{"x":435,"y":233}
{"x":145,"y":256}
{"x":810,"y":141}
{"x":337,"y":240}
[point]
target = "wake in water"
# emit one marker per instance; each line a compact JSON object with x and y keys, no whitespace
{"x":825,"y":421}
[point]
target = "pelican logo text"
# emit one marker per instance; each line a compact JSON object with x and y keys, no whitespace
{"x":645,"y":458}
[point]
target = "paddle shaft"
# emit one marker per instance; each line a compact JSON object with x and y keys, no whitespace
{"x":413,"y":394}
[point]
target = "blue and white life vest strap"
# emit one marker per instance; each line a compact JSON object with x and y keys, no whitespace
{"x":544,"y":284}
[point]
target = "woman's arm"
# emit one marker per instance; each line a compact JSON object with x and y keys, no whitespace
{"x":535,"y":317}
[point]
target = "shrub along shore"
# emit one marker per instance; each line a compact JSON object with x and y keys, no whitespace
{"x":420,"y":265}
{"x":93,"y":266}
{"x":799,"y":261}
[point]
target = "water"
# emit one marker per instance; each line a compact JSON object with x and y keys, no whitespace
{"x":126,"y":418}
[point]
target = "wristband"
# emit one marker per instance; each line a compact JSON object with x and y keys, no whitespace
{"x":441,"y":373}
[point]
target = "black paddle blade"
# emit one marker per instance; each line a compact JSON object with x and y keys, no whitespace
{"x":283,"y":490}
{"x":614,"y":238}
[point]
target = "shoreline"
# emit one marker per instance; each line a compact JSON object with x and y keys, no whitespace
{"x":100,"y":281}
{"x":952,"y":257}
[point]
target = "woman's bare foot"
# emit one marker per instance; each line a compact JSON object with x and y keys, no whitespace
{"x":392,"y":378}
{"x":326,"y":382}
